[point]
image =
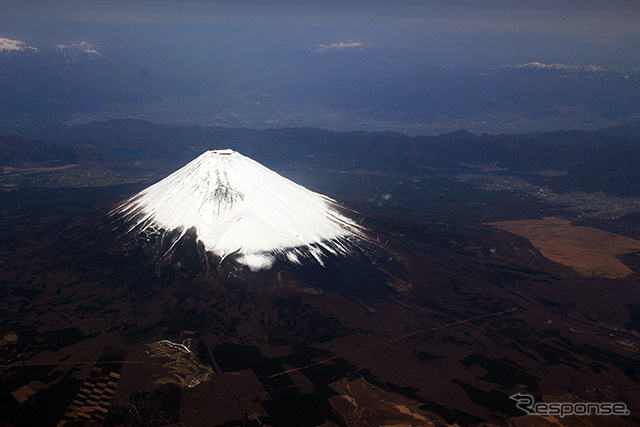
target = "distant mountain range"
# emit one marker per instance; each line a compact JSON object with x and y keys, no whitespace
{"x":321,"y":86}
{"x":75,"y":51}
{"x":604,"y":160}
{"x":52,"y":82}
{"x":557,"y":67}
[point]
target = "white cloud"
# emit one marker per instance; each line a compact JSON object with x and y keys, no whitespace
{"x":342,"y":46}
{"x":8,"y":45}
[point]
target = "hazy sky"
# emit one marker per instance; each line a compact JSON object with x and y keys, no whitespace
{"x":604,"y":32}
{"x":257,"y":63}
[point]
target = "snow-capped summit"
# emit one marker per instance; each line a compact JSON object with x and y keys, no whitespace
{"x":8,"y":46}
{"x":239,"y":207}
{"x":80,"y":52}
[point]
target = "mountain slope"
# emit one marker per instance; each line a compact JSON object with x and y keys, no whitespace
{"x":238,"y":207}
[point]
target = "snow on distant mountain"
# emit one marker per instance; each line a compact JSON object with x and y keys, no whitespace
{"x":341,"y":47}
{"x":8,"y":47}
{"x":556,"y":67}
{"x":240,"y":208}
{"x":80,"y":52}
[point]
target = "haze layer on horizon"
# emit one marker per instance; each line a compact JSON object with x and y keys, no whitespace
{"x":334,"y":64}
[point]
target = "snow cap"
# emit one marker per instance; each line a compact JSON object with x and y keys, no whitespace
{"x":237,"y":206}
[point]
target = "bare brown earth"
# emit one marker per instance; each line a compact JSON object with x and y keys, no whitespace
{"x":363,"y":404}
{"x":589,"y":251}
{"x":473,"y":316}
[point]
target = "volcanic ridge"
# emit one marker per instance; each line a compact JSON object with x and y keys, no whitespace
{"x":239,"y":208}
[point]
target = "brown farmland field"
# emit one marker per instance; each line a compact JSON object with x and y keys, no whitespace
{"x":589,"y":251}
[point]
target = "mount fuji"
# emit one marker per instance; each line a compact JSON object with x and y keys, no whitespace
{"x":241,"y":209}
